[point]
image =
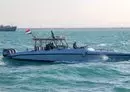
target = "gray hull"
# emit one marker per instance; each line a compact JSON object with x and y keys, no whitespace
{"x":8,"y":28}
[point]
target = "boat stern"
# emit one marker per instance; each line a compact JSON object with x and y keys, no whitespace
{"x":8,"y":52}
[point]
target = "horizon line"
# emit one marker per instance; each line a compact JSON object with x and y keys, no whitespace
{"x":68,"y":27}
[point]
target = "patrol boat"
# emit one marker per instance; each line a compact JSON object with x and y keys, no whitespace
{"x":56,"y":49}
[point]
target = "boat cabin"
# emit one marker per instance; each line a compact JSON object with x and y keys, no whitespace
{"x":49,"y":43}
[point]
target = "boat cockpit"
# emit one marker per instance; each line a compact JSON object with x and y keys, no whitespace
{"x":49,"y":43}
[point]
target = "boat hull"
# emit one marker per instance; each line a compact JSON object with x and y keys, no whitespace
{"x":70,"y":55}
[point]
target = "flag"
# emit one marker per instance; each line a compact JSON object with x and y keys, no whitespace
{"x":28,"y":31}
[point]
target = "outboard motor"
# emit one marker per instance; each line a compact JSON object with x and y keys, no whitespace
{"x":7,"y":52}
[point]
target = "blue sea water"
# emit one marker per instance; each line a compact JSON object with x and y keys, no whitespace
{"x":21,"y":76}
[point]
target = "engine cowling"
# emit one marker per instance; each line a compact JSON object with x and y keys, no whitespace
{"x":7,"y":52}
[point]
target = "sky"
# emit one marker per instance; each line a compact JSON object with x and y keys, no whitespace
{"x":65,"y":13}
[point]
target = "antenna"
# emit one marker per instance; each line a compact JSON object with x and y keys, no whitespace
{"x":52,"y":34}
